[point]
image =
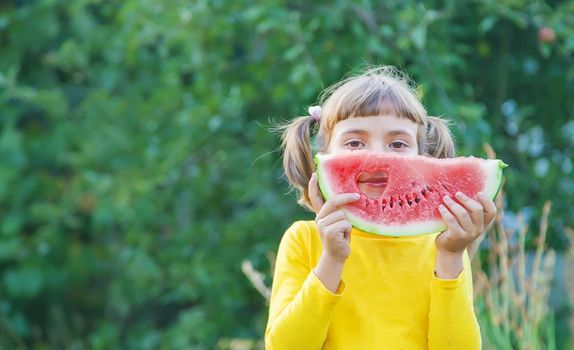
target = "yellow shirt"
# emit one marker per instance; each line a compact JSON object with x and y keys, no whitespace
{"x":388,"y":297}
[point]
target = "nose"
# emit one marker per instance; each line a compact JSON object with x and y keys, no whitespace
{"x":378,"y":146}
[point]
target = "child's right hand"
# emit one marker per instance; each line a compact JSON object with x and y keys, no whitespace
{"x":334,"y":228}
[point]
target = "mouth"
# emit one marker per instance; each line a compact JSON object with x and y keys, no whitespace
{"x":377,"y":179}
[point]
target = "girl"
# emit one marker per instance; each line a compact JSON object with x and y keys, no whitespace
{"x":336,"y":287}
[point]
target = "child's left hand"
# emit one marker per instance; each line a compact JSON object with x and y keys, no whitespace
{"x":466,"y":220}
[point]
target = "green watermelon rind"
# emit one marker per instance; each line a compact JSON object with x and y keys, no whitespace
{"x":492,"y":167}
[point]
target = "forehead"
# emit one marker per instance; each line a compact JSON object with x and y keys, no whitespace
{"x":376,"y":125}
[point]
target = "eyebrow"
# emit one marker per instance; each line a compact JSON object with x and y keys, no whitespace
{"x":394,"y":132}
{"x":399,"y":132}
{"x":355,"y":131}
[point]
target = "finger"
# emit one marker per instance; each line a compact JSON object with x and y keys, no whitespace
{"x":337,"y":201}
{"x":450,"y":220}
{"x":348,"y":228}
{"x":338,"y":229}
{"x":332,"y":218}
{"x":474,"y":208}
{"x":489,"y":206}
{"x":348,"y":233}
{"x":487,"y":203}
{"x":460,"y":214}
{"x":314,"y":194}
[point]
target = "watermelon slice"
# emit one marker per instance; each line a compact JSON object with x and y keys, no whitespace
{"x":412,"y":190}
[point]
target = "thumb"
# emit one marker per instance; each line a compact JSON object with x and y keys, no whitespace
{"x":315,"y":194}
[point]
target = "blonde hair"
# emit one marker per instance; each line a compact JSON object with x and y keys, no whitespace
{"x":378,"y":91}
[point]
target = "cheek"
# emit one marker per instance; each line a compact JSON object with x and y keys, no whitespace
{"x":336,"y":149}
{"x":323,"y":145}
{"x":330,"y":147}
{"x":333,"y":147}
{"x":414,"y":150}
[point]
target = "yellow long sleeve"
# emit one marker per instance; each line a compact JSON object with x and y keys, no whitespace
{"x":301,"y":307}
{"x":388,"y":297}
{"x":452,"y":322}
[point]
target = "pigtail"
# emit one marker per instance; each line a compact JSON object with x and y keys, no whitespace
{"x":439,"y":140}
{"x":297,"y":155}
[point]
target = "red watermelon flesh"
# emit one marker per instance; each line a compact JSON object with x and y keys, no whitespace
{"x":415,"y":187}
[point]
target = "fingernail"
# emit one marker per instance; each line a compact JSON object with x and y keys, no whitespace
{"x":441,"y":207}
{"x":447,"y":199}
{"x":460,"y":195}
{"x":356,"y":195}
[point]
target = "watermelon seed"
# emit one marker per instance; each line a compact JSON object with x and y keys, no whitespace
{"x":416,"y":198}
{"x":384,"y":204}
{"x":408,"y":199}
{"x":425,"y":193}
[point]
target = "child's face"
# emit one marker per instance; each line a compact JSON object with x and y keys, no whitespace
{"x":380,"y":134}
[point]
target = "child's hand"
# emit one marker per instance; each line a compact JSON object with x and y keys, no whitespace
{"x":466,"y":220}
{"x":334,"y":228}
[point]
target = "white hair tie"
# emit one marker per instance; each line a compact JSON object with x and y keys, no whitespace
{"x":315,"y":112}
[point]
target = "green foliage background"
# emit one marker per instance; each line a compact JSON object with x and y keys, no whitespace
{"x":137,"y":171}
